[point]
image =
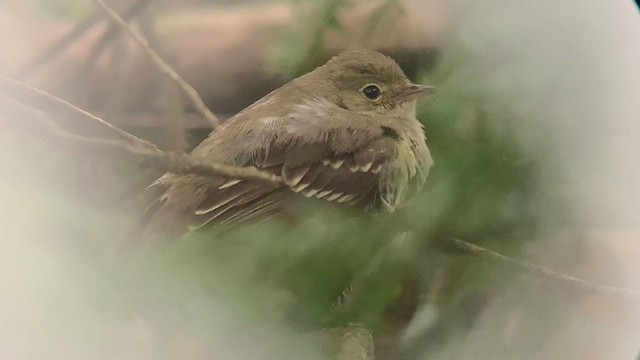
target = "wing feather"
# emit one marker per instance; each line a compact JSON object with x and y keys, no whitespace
{"x":321,"y":155}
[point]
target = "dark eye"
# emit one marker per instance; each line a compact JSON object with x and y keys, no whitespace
{"x":371,"y":92}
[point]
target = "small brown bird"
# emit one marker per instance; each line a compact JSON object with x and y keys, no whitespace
{"x":345,"y":133}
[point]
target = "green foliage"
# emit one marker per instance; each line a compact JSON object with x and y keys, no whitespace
{"x":297,"y":274}
{"x":484,"y":187}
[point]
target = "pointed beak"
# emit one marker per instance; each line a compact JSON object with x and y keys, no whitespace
{"x":422,"y":89}
{"x":415,"y":91}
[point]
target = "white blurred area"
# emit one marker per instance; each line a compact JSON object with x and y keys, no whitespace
{"x":570,"y":70}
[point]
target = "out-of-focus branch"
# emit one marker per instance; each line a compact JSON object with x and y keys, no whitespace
{"x":191,"y":93}
{"x":468,"y":248}
{"x":110,"y":34}
{"x":59,"y":46}
{"x":34,"y":122}
{"x":31,"y":96}
{"x":72,"y":36}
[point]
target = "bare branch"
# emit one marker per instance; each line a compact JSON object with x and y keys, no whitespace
{"x":39,"y":124}
{"x":59,"y":46}
{"x":191,"y":93}
{"x":468,"y":248}
{"x":72,"y":36}
{"x":29,"y":95}
{"x":109,"y":34}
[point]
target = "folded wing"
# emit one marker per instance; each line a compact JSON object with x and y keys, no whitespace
{"x":327,"y":154}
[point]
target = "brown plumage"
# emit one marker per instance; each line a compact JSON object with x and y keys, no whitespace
{"x":345,"y":133}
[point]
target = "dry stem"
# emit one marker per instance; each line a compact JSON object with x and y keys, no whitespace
{"x":27,"y":94}
{"x":72,"y":36}
{"x":191,"y":93}
{"x":45,"y":128}
{"x":468,"y":248}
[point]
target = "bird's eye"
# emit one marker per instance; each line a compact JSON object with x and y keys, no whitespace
{"x":371,"y":92}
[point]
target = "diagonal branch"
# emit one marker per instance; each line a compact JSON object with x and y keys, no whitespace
{"x":191,"y":93}
{"x":29,"y":95}
{"x":72,"y":36}
{"x":59,"y":46}
{"x":468,"y":248}
{"x":35,"y":122}
{"x":110,"y":33}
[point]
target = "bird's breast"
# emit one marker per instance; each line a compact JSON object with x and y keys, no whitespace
{"x":406,"y":173}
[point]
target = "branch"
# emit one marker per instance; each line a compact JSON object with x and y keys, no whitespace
{"x":191,"y":93}
{"x":72,"y":36}
{"x":39,"y":124}
{"x":468,"y":248}
{"x":29,"y":95}
{"x":58,"y":46}
{"x":109,"y":34}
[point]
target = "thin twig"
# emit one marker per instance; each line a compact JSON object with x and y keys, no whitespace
{"x":48,"y":130}
{"x":58,"y":46}
{"x":72,"y":36}
{"x":191,"y":93}
{"x":468,"y":248}
{"x":110,"y":33}
{"x":27,"y":94}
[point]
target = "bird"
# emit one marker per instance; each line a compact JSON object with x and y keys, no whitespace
{"x":343,"y":135}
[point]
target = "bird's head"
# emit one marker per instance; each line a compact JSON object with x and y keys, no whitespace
{"x":369,"y":82}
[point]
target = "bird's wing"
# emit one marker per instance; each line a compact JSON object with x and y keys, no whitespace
{"x":330,"y":154}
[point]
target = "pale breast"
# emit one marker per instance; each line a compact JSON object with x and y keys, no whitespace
{"x":405,"y":175}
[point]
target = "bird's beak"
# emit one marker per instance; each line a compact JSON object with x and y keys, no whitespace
{"x":415,"y":91}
